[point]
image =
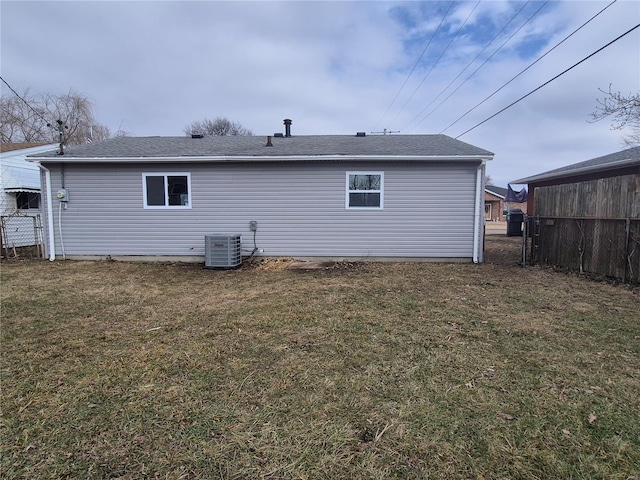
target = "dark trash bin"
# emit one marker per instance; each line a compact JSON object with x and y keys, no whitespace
{"x":515,"y":218}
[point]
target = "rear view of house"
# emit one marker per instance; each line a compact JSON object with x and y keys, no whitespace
{"x":326,"y":196}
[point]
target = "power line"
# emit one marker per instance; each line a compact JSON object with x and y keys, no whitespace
{"x":26,"y":103}
{"x":438,"y":60}
{"x":483,"y":63}
{"x":549,"y":81}
{"x":415,"y":66}
{"x":470,"y":63}
{"x":530,"y":65}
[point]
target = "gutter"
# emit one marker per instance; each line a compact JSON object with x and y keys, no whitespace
{"x":260,"y":158}
{"x":49,"y":208}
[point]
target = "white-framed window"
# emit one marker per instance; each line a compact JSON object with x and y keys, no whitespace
{"x":365,"y":191}
{"x":166,"y":190}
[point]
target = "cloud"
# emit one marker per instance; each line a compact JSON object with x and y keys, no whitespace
{"x":333,"y":67}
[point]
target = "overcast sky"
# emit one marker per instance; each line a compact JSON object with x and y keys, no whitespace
{"x":153,"y":67}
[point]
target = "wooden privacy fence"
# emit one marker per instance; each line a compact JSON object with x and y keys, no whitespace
{"x":604,"y":246}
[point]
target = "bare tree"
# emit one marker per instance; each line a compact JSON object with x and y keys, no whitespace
{"x":33,"y":118}
{"x":220,"y":127}
{"x":488,"y":180}
{"x":21,"y":123}
{"x":624,"y":112}
{"x":100,"y":132}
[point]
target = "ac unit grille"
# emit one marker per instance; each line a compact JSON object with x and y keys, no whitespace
{"x":222,"y":251}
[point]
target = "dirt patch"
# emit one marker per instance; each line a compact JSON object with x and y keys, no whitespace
{"x":269,"y":264}
{"x":312,"y":265}
{"x":498,"y":250}
{"x":285,"y":263}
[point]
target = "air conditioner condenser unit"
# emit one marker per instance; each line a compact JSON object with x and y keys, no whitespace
{"x":222,"y":251}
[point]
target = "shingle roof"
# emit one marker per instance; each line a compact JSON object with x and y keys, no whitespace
{"x":624,"y":158}
{"x":10,"y":147}
{"x":499,"y":191}
{"x":254,"y":146}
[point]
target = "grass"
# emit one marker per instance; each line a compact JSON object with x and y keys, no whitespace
{"x":373,"y":371}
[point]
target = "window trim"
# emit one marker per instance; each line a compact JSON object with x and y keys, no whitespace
{"x":166,"y":193}
{"x":381,"y":191}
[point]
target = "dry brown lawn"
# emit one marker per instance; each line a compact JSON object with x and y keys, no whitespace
{"x":362,"y":370}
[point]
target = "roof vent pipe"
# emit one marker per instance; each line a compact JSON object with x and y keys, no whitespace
{"x":287,"y":127}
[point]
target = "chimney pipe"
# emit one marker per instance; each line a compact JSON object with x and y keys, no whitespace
{"x":287,"y":127}
{"x":269,"y":144}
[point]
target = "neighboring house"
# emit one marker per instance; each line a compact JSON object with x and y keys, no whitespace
{"x":19,"y":192}
{"x":587,"y":215}
{"x":495,"y":204}
{"x":619,"y":164}
{"x":324,"y":196}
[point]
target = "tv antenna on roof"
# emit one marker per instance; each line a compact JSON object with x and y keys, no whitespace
{"x":385,"y":131}
{"x":61,"y":127}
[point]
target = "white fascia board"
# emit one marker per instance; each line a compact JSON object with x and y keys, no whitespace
{"x":286,"y":158}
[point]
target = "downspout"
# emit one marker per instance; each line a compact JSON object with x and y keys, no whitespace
{"x":478,"y":213}
{"x":52,"y":245}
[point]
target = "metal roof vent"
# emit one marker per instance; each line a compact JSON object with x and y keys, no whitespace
{"x":361,"y":134}
{"x":222,"y":251}
{"x":197,"y":135}
{"x":278,"y":135}
{"x":287,"y":127}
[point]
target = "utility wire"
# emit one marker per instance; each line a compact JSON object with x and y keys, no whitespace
{"x":483,"y":63}
{"x":549,"y":81}
{"x":414,"y":67}
{"x":26,"y":103}
{"x":470,"y":63}
{"x":530,"y":65}
{"x":438,"y":60}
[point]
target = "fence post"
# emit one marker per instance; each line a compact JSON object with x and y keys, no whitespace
{"x":627,"y":232}
{"x":1,"y":240}
{"x":38,"y":236}
{"x":525,"y":235}
{"x":582,"y":244}
{"x":3,"y":236}
{"x":535,"y":242}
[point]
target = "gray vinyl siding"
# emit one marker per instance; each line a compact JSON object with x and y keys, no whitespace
{"x":429,"y":210}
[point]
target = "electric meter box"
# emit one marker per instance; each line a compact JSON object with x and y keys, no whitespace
{"x":63,"y":195}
